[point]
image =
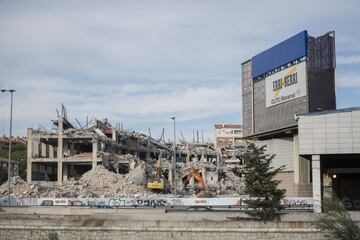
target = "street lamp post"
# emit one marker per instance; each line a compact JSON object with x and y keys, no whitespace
{"x":174,"y":157}
{"x":10,"y":138}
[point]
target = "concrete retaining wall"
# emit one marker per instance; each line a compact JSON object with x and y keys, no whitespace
{"x":84,"y":223}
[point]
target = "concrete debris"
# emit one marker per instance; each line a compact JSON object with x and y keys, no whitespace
{"x":138,"y":174}
{"x":19,"y":188}
{"x":119,"y":163}
{"x":98,"y":182}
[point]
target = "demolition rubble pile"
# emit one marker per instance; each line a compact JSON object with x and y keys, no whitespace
{"x":95,"y":183}
{"x":229,"y":182}
{"x":101,"y":182}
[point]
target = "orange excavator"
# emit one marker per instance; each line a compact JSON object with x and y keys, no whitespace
{"x":197,"y":177}
{"x":203,"y":193}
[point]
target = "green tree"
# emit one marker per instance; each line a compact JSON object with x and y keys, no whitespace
{"x":337,"y":222}
{"x":260,"y":183}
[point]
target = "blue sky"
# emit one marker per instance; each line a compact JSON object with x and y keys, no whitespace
{"x":141,"y":62}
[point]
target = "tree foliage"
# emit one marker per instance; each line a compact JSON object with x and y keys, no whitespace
{"x":260,"y":183}
{"x":337,"y":222}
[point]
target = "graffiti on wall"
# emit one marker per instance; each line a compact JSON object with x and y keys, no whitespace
{"x":349,"y":203}
{"x":289,"y":203}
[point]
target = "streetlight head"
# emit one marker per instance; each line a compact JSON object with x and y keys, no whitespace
{"x":3,"y":90}
{"x":173,"y":118}
{"x":12,"y":90}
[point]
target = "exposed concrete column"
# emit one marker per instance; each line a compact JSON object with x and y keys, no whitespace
{"x":187,"y":154}
{"x":51,"y":151}
{"x":94,"y":153}
{"x":170,"y":177}
{"x":203,"y":174}
{"x":316,"y":178}
{"x":43,"y":149}
{"x":60,"y":151}
{"x":113,"y":134}
{"x":29,"y":155}
{"x":148,"y":150}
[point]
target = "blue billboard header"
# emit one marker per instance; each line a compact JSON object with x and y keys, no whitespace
{"x":289,"y":50}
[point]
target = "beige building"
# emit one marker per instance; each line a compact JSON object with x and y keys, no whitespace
{"x":228,"y":135}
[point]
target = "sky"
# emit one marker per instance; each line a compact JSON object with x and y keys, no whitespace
{"x":141,"y":62}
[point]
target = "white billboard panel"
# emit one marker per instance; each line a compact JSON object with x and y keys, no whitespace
{"x":286,"y":85}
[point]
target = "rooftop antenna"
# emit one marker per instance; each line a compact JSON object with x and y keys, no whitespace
{"x":202,"y":136}
{"x":149,"y":132}
{"x":197,"y":136}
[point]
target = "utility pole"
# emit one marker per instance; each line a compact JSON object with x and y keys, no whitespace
{"x":10,"y":138}
{"x":174,"y":158}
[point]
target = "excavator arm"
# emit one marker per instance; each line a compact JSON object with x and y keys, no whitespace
{"x":197,"y":177}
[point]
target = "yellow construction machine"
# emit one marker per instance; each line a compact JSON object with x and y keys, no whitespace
{"x":157,"y":184}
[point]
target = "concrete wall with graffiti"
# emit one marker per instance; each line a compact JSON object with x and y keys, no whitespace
{"x":289,"y":203}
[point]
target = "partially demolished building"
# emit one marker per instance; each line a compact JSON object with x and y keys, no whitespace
{"x":66,"y":153}
{"x":69,"y":152}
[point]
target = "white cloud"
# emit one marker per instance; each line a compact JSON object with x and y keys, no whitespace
{"x":141,"y":62}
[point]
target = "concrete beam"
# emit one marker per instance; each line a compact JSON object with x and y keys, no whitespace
{"x":94,"y":153}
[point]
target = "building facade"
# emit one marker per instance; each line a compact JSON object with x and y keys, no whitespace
{"x":331,"y":141}
{"x":228,"y":135}
{"x":293,"y":77}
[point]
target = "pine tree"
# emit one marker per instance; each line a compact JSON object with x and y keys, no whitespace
{"x":260,"y":185}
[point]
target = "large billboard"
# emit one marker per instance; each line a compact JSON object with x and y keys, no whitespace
{"x":287,"y":51}
{"x":286,"y":85}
